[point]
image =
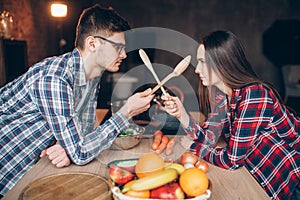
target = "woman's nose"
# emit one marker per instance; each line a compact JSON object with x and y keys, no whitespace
{"x":197,"y":70}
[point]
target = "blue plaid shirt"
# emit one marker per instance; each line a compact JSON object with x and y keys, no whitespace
{"x":51,"y":101}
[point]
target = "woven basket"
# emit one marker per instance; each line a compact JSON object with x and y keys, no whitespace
{"x":117,"y":195}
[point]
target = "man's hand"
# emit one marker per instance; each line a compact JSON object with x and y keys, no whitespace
{"x":57,"y":155}
{"x":137,"y":103}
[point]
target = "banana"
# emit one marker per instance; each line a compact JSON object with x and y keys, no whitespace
{"x":153,"y":181}
{"x":178,"y":167}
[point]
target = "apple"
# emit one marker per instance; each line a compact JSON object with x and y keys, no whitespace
{"x":119,"y":175}
{"x":169,"y":191}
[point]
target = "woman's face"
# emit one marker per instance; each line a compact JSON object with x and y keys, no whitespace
{"x":208,"y":77}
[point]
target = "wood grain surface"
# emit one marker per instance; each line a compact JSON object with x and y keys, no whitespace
{"x":227,"y":185}
{"x":74,"y":185}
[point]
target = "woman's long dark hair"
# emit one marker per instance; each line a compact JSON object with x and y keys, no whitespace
{"x":225,"y":55}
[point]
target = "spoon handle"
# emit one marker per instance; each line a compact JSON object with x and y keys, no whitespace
{"x":171,"y":75}
{"x":180,"y":67}
{"x":158,"y":81}
{"x":148,"y":64}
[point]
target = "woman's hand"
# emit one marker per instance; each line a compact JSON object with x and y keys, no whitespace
{"x":137,"y":103}
{"x":186,"y":141}
{"x":57,"y":155}
{"x":174,"y":107}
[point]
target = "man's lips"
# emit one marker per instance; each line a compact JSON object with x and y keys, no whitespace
{"x":119,"y":62}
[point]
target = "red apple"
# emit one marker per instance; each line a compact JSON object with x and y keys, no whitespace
{"x":119,"y":175}
{"x":169,"y":191}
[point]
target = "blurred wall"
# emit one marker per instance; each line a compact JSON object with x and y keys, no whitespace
{"x":30,"y":20}
{"x":247,"y":19}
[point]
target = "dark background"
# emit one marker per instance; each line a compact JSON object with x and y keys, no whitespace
{"x":253,"y":21}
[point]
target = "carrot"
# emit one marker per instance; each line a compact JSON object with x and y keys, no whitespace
{"x":157,"y":139}
{"x":163,"y":144}
{"x":170,"y":145}
{"x":165,"y":139}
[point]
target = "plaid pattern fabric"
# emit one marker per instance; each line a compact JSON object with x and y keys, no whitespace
{"x":261,"y":134}
{"x":51,"y":101}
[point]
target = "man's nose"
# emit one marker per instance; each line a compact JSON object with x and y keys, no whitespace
{"x":123,"y":54}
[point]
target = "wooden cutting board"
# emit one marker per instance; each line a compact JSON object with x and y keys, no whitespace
{"x":68,"y":186}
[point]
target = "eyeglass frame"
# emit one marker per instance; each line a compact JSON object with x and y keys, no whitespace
{"x":118,"y":46}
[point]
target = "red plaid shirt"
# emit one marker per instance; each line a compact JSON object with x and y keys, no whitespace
{"x":261,"y":134}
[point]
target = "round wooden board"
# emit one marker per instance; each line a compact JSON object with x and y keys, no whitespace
{"x":68,"y":186}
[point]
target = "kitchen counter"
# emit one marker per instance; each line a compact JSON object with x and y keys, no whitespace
{"x":238,"y":184}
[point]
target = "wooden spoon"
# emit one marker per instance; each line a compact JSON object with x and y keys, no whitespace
{"x":179,"y":69}
{"x":148,"y":64}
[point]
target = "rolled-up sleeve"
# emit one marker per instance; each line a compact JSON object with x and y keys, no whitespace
{"x":54,"y":99}
{"x":252,"y":115}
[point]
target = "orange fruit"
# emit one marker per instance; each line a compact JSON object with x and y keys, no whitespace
{"x":148,"y":164}
{"x":137,"y":194}
{"x":193,"y":181}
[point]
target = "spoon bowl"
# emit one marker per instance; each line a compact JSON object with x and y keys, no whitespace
{"x":148,"y":64}
{"x":179,"y":69}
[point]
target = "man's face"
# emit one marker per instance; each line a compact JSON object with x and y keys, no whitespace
{"x":111,"y":51}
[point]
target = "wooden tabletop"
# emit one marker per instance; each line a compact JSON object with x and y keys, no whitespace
{"x":238,"y":184}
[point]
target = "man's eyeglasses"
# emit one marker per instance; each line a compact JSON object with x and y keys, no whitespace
{"x":119,"y":46}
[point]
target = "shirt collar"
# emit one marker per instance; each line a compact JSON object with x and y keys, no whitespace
{"x":236,"y":94}
{"x":235,"y":98}
{"x":79,"y":74}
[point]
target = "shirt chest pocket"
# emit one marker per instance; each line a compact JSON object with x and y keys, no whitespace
{"x":28,"y":109}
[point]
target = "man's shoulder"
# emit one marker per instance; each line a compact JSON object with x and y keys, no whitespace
{"x":58,"y":66}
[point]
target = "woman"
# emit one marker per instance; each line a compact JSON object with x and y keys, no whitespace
{"x":260,"y":132}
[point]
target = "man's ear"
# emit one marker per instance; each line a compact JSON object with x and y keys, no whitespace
{"x":90,"y":43}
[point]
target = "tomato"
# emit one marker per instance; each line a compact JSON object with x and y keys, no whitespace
{"x":127,"y":164}
{"x":119,"y":175}
{"x":202,"y":165}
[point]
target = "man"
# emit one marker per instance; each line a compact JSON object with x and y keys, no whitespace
{"x":55,"y":100}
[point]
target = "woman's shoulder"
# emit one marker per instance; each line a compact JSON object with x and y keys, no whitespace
{"x":256,"y":86}
{"x":253,"y":87}
{"x":256,"y":90}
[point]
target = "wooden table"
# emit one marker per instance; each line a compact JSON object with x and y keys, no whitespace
{"x":231,"y":185}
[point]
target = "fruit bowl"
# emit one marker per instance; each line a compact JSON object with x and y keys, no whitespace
{"x":166,"y":181}
{"x":117,"y":195}
{"x":128,"y":138}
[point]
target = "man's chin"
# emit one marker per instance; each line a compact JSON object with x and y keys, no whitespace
{"x":115,"y":68}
